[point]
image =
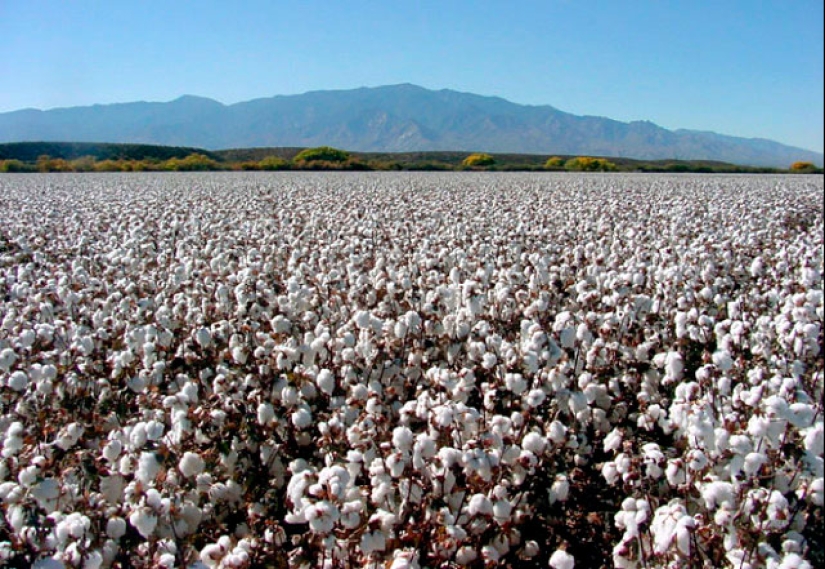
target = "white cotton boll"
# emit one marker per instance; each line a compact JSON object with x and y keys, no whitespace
{"x":266,"y":413}
{"x":93,"y":560}
{"x":697,"y":460}
{"x":322,"y":516}
{"x":154,"y":430}
{"x":7,"y":359}
{"x":465,"y":555}
{"x":203,"y":337}
{"x":372,"y":542}
{"x":815,"y":440}
{"x":191,"y":464}
{"x":559,"y":490}
{"x":480,"y":505}
{"x":753,"y":462}
{"x":674,"y":366}
{"x":363,"y":319}
{"x":675,"y":473}
{"x":69,"y":436}
{"x":613,"y":440}
{"x":716,"y":493}
{"x":490,"y":554}
{"x":116,"y":527}
{"x":557,"y":432}
{"x":534,"y":443}
{"x":144,"y":522}
{"x":148,"y":467}
{"x":325,"y":380}
{"x":515,"y":383}
{"x":562,"y":560}
{"x":489,"y":360}
{"x":112,"y":450}
{"x":46,"y":492}
{"x":239,"y":355}
{"x":402,"y":438}
{"x":535,"y":398}
{"x":502,"y":510}
{"x":757,"y":267}
{"x":723,"y":360}
{"x":289,"y":395}
{"x":610,"y":472}
{"x":817,"y":491}
{"x":18,"y":381}
{"x":301,"y":418}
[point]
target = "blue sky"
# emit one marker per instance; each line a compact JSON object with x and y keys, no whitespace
{"x":747,"y":68}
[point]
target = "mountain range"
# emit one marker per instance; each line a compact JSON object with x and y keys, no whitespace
{"x":395,"y":118}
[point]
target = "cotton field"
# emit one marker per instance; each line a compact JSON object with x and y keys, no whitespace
{"x":411,"y":370}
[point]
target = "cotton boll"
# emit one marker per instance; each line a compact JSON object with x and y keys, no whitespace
{"x":302,"y":418}
{"x":7,"y":359}
{"x":402,"y":438}
{"x":148,"y":468}
{"x":557,"y":432}
{"x":723,"y":360}
{"x":465,"y":555}
{"x":534,"y":442}
{"x":325,"y":380}
{"x":18,"y":381}
{"x":515,"y":383}
{"x":674,"y":366}
{"x":191,"y":464}
{"x":46,"y":493}
{"x":116,"y":527}
{"x":613,"y":440}
{"x":535,"y":398}
{"x":112,"y":450}
{"x":559,"y":490}
{"x":562,"y":560}
{"x":754,"y":462}
{"x":154,"y":430}
{"x":203,"y":337}
{"x":480,"y":504}
{"x":144,"y":522}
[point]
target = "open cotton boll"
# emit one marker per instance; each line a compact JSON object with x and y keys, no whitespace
{"x":302,"y":417}
{"x":534,"y":443}
{"x":325,"y":380}
{"x":148,"y":467}
{"x":191,"y":464}
{"x":562,"y":560}
{"x":402,"y":438}
{"x":116,"y":527}
{"x":18,"y":381}
{"x":7,"y":359}
{"x":480,"y":505}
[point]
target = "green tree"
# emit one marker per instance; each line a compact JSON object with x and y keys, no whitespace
{"x":8,"y":166}
{"x":272,"y":163}
{"x":588,"y":164}
{"x":554,"y":163}
{"x":46,"y":163}
{"x":478,"y":160}
{"x":321,"y":154}
{"x":192,"y":163}
{"x":83,"y":164}
{"x":803,"y":167}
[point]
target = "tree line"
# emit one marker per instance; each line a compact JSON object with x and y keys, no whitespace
{"x":328,"y":158}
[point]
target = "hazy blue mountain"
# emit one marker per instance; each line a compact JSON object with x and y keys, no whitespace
{"x":386,"y":119}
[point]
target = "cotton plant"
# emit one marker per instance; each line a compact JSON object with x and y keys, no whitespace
{"x":403,"y":371}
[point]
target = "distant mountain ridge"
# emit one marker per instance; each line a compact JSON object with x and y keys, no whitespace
{"x":396,"y":118}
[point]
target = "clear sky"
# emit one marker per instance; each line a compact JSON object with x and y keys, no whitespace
{"x":742,"y":67}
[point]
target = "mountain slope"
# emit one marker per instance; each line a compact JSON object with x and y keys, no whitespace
{"x":392,"y":118}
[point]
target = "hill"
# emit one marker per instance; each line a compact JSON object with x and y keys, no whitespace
{"x":398,"y":118}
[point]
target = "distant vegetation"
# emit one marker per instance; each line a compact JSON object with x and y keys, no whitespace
{"x":478,"y":161}
{"x":91,"y":157}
